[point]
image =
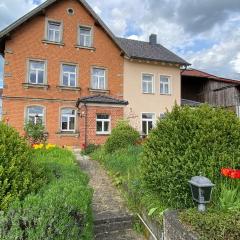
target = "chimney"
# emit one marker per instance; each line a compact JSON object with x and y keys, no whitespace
{"x":153,"y":39}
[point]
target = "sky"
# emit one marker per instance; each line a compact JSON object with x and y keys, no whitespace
{"x":206,"y":33}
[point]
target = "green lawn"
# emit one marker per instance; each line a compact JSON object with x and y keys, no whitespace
{"x":60,"y":210}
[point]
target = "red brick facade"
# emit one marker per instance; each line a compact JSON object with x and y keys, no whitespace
{"x":26,"y":42}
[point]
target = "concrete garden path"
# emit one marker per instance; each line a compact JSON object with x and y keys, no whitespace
{"x":112,"y":220}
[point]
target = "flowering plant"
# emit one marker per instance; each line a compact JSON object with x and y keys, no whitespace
{"x":231,"y":173}
{"x":41,"y":146}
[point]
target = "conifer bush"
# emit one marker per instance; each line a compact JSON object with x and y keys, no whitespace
{"x":19,"y":174}
{"x":186,"y":143}
{"x":122,"y":136}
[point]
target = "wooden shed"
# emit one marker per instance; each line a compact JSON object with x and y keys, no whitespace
{"x":203,"y":87}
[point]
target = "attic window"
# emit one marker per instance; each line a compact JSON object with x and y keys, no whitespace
{"x":70,"y":11}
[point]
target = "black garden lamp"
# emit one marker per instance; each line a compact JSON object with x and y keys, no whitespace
{"x":201,"y":188}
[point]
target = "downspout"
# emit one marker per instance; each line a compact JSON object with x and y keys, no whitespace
{"x":85,"y":125}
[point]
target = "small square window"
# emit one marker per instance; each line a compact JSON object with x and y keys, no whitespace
{"x":85,"y":36}
{"x":103,"y":124}
{"x":35,"y":114}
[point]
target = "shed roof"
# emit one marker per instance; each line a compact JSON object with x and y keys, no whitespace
{"x":101,"y":99}
{"x":200,"y":74}
{"x":152,"y":52}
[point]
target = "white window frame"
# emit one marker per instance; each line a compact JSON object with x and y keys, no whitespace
{"x":68,"y":116}
{"x":98,"y":84}
{"x":152,"y":81}
{"x":47,"y":35}
{"x":69,"y":73}
{"x":36,"y":71}
{"x":153,"y":120}
{"x":90,"y":35}
{"x":169,"y":83}
{"x":42,"y":115}
{"x":103,"y":121}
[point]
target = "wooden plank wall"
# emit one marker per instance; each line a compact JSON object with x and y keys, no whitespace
{"x":220,"y":93}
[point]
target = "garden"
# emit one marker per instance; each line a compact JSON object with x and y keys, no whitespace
{"x":154,"y":173}
{"x":43,"y":194}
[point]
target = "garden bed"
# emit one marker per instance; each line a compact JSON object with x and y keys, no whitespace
{"x":61,"y":209}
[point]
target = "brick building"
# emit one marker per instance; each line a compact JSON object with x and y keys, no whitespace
{"x":59,"y":70}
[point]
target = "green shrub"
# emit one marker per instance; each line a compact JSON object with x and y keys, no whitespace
{"x":61,"y":210}
{"x":35,"y":133}
{"x":121,"y":137}
{"x":19,"y":173}
{"x":214,"y":225}
{"x":89,"y":149}
{"x":189,"y":142}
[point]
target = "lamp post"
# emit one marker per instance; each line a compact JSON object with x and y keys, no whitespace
{"x":201,"y":188}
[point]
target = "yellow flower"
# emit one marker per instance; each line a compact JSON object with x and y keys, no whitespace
{"x":49,"y":145}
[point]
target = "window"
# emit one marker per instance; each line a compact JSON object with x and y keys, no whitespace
{"x":36,"y":72}
{"x":54,"y":31}
{"x":103,"y":124}
{"x":35,"y":114}
{"x":68,"y":119}
{"x":98,"y":78}
{"x":85,"y":36}
{"x":147,"y":83}
{"x":69,"y":75}
{"x":165,"y":85}
{"x":147,"y":122}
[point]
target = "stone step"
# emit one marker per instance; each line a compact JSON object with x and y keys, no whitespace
{"x":110,"y":219}
{"x":112,"y":225}
{"x":118,"y":235}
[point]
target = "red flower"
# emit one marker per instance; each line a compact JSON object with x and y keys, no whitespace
{"x":235,"y":174}
{"x":226,"y":172}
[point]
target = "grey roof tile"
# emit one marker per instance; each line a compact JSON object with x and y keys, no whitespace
{"x":101,"y":99}
{"x":147,"y":51}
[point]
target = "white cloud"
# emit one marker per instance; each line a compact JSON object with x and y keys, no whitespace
{"x":236,"y":63}
{"x":181,"y":25}
{"x":10,"y":10}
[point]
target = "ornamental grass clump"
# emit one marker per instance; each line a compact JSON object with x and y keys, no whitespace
{"x":190,"y":142}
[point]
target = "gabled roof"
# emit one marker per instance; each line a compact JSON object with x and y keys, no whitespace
{"x":131,"y":48}
{"x":101,"y":99}
{"x":146,"y":51}
{"x":46,"y":4}
{"x":200,"y":74}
